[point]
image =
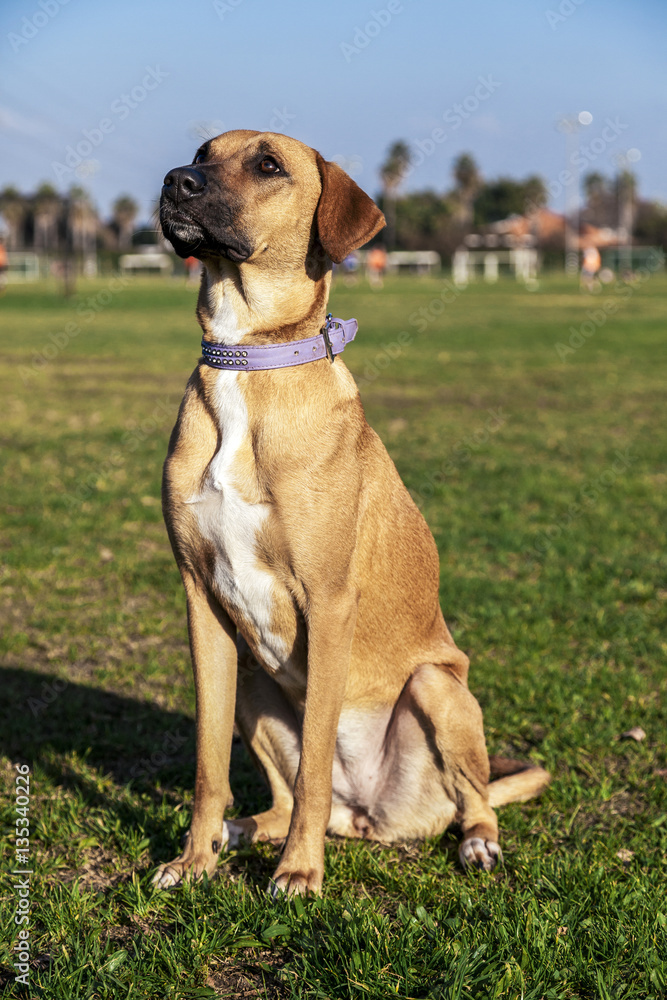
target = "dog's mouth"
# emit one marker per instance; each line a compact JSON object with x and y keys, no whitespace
{"x":191,"y":238}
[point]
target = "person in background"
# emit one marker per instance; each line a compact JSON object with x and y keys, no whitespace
{"x":349,"y":267}
{"x":4,"y":265}
{"x":589,"y":268}
{"x":376,"y":265}
{"x":192,"y":267}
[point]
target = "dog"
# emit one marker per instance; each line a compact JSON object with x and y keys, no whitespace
{"x":311,"y":577}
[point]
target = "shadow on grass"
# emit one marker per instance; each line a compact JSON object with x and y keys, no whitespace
{"x":74,"y":737}
{"x":73,"y":734}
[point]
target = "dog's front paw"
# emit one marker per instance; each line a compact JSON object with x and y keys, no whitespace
{"x":296,"y":883}
{"x":478,"y":853}
{"x":191,"y":864}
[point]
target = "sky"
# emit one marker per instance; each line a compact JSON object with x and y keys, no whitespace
{"x":111,"y":95}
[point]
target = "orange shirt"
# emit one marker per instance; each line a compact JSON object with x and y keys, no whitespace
{"x":592,"y":259}
{"x":377,"y":259}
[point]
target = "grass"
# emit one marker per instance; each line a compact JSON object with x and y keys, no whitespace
{"x":544,"y":482}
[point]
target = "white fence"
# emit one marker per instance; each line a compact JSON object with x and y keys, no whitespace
{"x":146,"y":263}
{"x":422,"y":261}
{"x":22,"y":266}
{"x":467,"y":264}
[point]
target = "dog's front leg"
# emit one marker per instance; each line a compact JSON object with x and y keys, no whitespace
{"x":214,"y":662}
{"x":330,"y":630}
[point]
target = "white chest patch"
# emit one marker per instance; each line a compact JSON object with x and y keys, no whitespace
{"x":231,"y":525}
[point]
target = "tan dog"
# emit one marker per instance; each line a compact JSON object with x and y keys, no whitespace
{"x":304,"y":560}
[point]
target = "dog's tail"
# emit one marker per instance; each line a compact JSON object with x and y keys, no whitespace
{"x":517,"y":781}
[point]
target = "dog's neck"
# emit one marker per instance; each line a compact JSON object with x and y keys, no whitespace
{"x":245,"y":304}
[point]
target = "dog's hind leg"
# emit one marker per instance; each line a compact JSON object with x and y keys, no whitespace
{"x":452,"y":723}
{"x":270,"y":732}
{"x":436,"y":768}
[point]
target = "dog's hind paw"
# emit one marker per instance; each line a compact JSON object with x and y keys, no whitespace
{"x":481,"y":854}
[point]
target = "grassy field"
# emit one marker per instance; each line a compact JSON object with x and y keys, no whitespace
{"x":530,"y":428}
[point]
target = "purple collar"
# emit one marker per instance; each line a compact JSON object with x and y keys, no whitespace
{"x":331,"y":340}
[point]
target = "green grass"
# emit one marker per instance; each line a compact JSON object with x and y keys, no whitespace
{"x":553,"y":580}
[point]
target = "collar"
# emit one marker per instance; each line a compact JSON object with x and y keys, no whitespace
{"x":329,"y":342}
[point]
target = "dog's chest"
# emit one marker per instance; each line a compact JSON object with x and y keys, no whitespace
{"x":229,"y":524}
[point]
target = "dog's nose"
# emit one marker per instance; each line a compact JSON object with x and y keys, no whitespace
{"x":183,"y":182}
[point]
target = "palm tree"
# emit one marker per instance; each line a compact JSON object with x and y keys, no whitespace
{"x":83,"y":222}
{"x":125,"y":211}
{"x":48,"y":207}
{"x":13,"y":207}
{"x":392,"y":173}
{"x":535,"y":194}
{"x":598,"y":199}
{"x":468,"y":182}
{"x":626,"y":190}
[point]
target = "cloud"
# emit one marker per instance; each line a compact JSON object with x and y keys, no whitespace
{"x":10,"y":121}
{"x":488,"y":124}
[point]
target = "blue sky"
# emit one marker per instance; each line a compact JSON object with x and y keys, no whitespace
{"x":492,"y":77}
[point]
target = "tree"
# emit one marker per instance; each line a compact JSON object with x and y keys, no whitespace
{"x":468,"y":182}
{"x":392,"y":173}
{"x":48,"y":207}
{"x":611,"y":202}
{"x":13,"y":207}
{"x":626,"y":191}
{"x":535,"y":194}
{"x":82,"y":221}
{"x":424,"y":221}
{"x":504,"y":197}
{"x":599,"y":209}
{"x":651,"y":223}
{"x":125,"y":211}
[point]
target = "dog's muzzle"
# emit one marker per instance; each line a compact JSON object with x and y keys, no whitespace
{"x":197,"y":220}
{"x":183,"y":183}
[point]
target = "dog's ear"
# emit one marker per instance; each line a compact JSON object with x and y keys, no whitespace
{"x":346,"y":217}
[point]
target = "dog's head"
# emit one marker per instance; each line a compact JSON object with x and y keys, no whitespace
{"x":260,"y":196}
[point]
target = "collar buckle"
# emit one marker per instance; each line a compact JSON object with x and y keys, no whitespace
{"x":327,"y":339}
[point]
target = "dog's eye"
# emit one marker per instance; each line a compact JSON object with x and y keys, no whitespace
{"x":269,"y":166}
{"x":200,"y":157}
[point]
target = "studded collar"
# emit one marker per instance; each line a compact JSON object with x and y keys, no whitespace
{"x":330,"y":341}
